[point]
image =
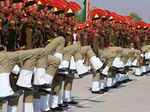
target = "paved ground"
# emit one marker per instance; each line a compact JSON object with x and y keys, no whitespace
{"x":131,"y":97}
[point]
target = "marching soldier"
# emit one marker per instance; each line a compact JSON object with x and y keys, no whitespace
{"x":12,"y":58}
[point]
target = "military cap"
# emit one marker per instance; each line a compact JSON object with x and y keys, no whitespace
{"x":88,"y":24}
{"x":140,"y":24}
{"x":72,"y":8}
{"x":49,"y":4}
{"x":58,"y":7}
{"x":41,"y":4}
{"x":96,"y":14}
{"x":105,"y":15}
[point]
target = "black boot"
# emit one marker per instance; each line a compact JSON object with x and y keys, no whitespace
{"x":57,"y":109}
{"x":63,"y":105}
{"x":106,"y":89}
{"x":98,"y":92}
{"x":116,"y":85}
{"x":71,"y":102}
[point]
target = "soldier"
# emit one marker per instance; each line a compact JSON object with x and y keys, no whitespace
{"x":27,"y":72}
{"x":48,"y":34}
{"x":52,"y":49}
{"x":111,"y":54}
{"x":96,"y":41}
{"x":47,"y":66}
{"x":15,"y":57}
{"x":25,"y":77}
{"x":1,"y":31}
{"x":57,"y":83}
{"x":12,"y":34}
{"x":64,"y":66}
{"x":27,"y":31}
{"x":73,"y":50}
{"x":38,"y":34}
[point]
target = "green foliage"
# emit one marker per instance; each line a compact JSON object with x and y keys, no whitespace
{"x":79,"y":17}
{"x":135,"y":17}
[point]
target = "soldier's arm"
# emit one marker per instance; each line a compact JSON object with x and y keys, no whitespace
{"x":22,"y":55}
{"x":59,"y":41}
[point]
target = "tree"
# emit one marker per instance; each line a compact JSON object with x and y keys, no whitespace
{"x":135,"y":17}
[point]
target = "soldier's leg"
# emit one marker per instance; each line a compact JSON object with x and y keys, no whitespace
{"x":67,"y":85}
{"x":44,"y":102}
{"x":36,"y":102}
{"x":52,"y":66}
{"x":53,"y":63}
{"x":116,"y":64}
{"x":135,"y":63}
{"x":12,"y":105}
{"x":68,"y":52}
{"x":103,"y":84}
{"x":28,"y":104}
{"x":56,"y":87}
{"x":107,"y":81}
{"x":126,"y":72}
{"x":96,"y":83}
{"x":80,"y":67}
{"x":95,"y":61}
{"x":60,"y":98}
{"x":61,"y":103}
{"x":104,"y":78}
{"x":123,"y":73}
{"x":40,"y":71}
{"x":72,"y":66}
{"x":95,"y":80}
{"x":67,"y":91}
{"x":68,"y":81}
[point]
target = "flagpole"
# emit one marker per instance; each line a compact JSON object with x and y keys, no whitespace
{"x":84,"y":10}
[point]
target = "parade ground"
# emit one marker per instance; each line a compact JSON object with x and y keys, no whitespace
{"x":131,"y":97}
